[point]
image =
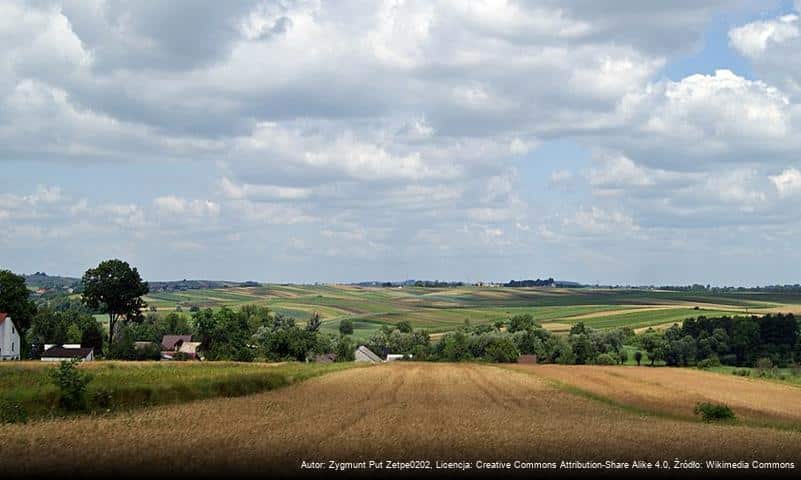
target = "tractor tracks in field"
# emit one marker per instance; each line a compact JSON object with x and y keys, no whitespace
{"x":378,"y":399}
{"x":481,"y":378}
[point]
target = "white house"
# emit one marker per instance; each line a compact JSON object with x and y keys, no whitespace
{"x":57,"y":353}
{"x":391,"y":357}
{"x":9,"y":338}
{"x":364,"y":354}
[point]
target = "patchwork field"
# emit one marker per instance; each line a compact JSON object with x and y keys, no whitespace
{"x":443,"y":309}
{"x":406,"y":411}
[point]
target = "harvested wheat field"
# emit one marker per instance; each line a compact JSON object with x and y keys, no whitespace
{"x":675,"y":391}
{"x":399,"y":411}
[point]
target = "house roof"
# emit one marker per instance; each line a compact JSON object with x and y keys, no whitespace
{"x":61,"y":352}
{"x":169,"y":341}
{"x":369,"y":354}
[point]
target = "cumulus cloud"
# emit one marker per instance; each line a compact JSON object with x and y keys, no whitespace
{"x":773,"y":46}
{"x":388,"y":130}
{"x":753,"y":39}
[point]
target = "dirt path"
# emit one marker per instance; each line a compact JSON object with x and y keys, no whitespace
{"x":401,"y":411}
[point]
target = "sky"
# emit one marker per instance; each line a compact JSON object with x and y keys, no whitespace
{"x":621,"y":142}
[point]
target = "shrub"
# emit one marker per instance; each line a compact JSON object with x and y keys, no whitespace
{"x":103,"y":398}
{"x":712,"y":412}
{"x":12,"y":412}
{"x":638,"y":357}
{"x":605,"y":359}
{"x":623,"y":356}
{"x":71,"y":384}
{"x":764,"y":363}
{"x":710,"y":362}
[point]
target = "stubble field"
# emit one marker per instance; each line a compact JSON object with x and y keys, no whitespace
{"x":402,"y":411}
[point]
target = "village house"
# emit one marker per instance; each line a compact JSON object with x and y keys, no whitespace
{"x":171,"y":345}
{"x":9,"y":338}
{"x":67,"y":352}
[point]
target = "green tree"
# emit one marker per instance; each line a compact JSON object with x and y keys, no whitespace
{"x":15,"y":301}
{"x":314,"y":322}
{"x":653,"y":343}
{"x":523,"y":321}
{"x":638,"y":357}
{"x":404,"y":326}
{"x":117,"y":289}
{"x":224,"y":334}
{"x":345,"y":349}
{"x":346,"y":326}
{"x":73,"y":334}
{"x":501,"y":350}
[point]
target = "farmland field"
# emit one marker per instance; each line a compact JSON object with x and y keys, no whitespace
{"x":405,"y":411}
{"x":443,"y":309}
{"x":139,"y":384}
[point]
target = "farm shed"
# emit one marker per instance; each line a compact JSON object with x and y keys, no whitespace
{"x":364,"y":354}
{"x":58,"y":353}
{"x":9,"y":338}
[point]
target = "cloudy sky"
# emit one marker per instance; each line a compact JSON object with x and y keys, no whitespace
{"x":634,"y":142}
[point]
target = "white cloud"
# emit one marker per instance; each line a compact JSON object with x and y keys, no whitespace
{"x":177,"y":206}
{"x":788,"y":182}
{"x":754,"y":38}
{"x":359,"y":127}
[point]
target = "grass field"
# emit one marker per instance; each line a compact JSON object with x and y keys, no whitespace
{"x":138,"y":384}
{"x":443,"y":309}
{"x":405,"y":411}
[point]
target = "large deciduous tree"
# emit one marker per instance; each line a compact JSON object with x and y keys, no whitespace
{"x":117,"y":289}
{"x":15,"y":302}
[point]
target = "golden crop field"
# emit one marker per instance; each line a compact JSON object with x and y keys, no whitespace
{"x":675,"y":392}
{"x":402,"y":411}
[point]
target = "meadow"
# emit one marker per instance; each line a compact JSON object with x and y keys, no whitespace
{"x":446,"y":412}
{"x":124,"y":385}
{"x":443,"y":309}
